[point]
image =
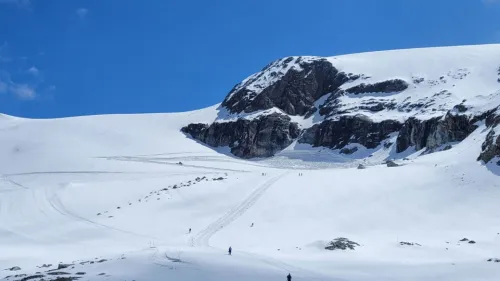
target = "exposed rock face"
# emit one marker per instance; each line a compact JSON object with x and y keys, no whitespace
{"x":290,"y":89}
{"x":491,"y":146}
{"x":434,"y":132}
{"x":348,"y":129}
{"x":260,"y":137}
{"x":389,"y":86}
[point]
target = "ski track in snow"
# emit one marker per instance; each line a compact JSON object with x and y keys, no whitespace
{"x":203,"y":237}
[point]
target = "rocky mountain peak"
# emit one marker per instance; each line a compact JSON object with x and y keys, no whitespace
{"x":421,"y":99}
{"x":290,"y":84}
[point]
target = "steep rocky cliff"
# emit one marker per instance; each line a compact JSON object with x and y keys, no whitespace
{"x":491,"y":146}
{"x":435,"y":132}
{"x":260,"y":137}
{"x":337,"y":134}
{"x":420,"y":99}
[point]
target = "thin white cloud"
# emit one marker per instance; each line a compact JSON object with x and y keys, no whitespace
{"x":82,"y":13}
{"x":23,"y":91}
{"x":18,"y":3}
{"x":3,"y":87}
{"x":33,"y":71}
{"x":3,"y":49}
{"x":26,"y":89}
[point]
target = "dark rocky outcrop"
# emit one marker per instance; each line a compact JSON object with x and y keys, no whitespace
{"x":434,"y":132}
{"x":491,"y":145}
{"x":349,"y":129}
{"x":260,"y":137}
{"x":341,"y":244}
{"x":389,"y":86}
{"x":31,"y":277}
{"x":294,"y":92}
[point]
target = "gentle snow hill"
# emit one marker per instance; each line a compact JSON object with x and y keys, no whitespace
{"x":114,"y":196}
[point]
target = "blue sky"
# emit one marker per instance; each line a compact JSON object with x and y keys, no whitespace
{"x":65,"y":58}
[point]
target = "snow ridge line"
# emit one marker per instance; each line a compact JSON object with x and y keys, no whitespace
{"x":203,"y":237}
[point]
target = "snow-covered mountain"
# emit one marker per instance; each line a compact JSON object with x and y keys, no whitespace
{"x":427,"y":98}
{"x":132,"y":197}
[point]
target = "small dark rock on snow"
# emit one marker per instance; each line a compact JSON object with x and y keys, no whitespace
{"x":31,"y":277}
{"x":348,"y":151}
{"x":361,"y":167}
{"x":341,"y":244}
{"x":391,"y":163}
{"x":403,"y":243}
{"x":57,"y":273}
{"x":64,"y":265}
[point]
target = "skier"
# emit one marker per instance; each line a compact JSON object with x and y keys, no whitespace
{"x":230,"y":250}
{"x":289,"y":277}
{"x":190,"y":230}
{"x":251,"y":225}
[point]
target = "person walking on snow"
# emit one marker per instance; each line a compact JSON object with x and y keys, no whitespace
{"x":289,"y":277}
{"x":190,"y":230}
{"x":230,"y":250}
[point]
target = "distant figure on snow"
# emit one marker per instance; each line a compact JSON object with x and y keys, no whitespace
{"x":289,"y":277}
{"x":251,"y":225}
{"x":230,"y":250}
{"x":190,"y":230}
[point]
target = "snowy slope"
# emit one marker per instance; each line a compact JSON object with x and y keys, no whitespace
{"x":57,"y":175}
{"x":114,"y":196}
